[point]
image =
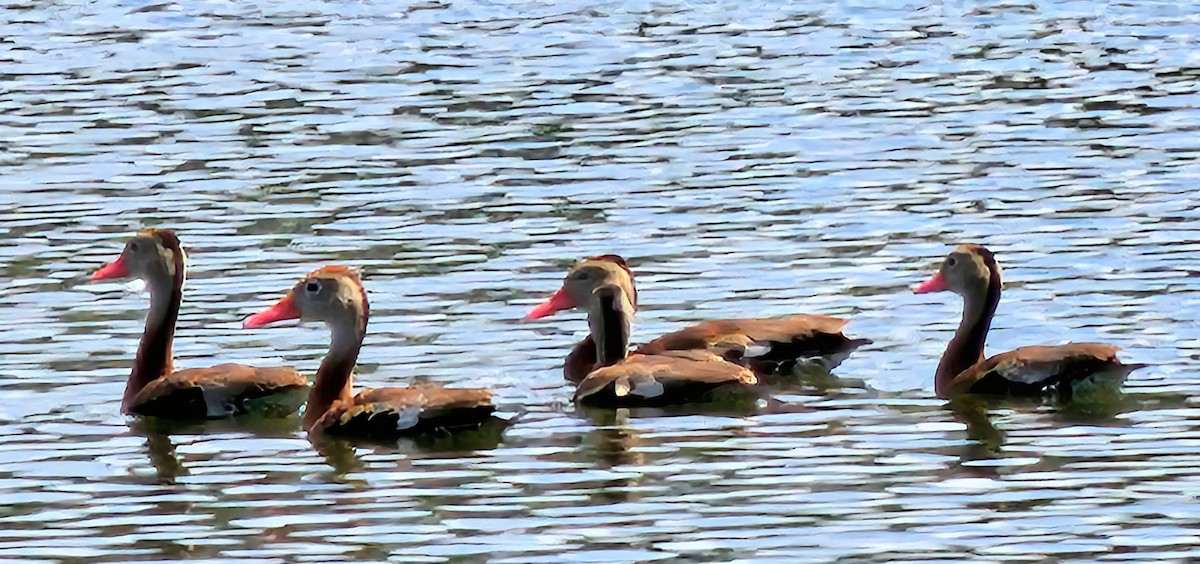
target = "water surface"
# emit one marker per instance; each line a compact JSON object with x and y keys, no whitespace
{"x":747,"y":159}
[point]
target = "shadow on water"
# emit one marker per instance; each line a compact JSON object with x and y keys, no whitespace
{"x":612,"y":442}
{"x":161,"y":449}
{"x":815,"y":378}
{"x":973,"y":412}
{"x":340,"y":452}
{"x":728,"y":401}
{"x":1091,"y":404}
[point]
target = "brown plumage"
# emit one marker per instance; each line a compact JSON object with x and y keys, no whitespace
{"x":602,"y":286}
{"x":215,"y":391}
{"x":1030,"y":371}
{"x":386,"y":412}
{"x":581,"y":361}
{"x":652,"y":380}
{"x":600,"y":364}
{"x":335,"y":295}
{"x":154,"y":388}
{"x":773,"y":343}
{"x":972,"y":272}
{"x":763,"y":343}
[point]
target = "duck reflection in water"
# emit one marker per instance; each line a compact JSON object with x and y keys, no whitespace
{"x":987,"y":439}
{"x":613,"y":443}
{"x":342,"y":453}
{"x":161,"y":448}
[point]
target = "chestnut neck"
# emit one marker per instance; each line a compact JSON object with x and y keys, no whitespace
{"x":610,"y":327}
{"x":155,"y":357}
{"x":966,"y":348}
{"x":581,"y":361}
{"x":335,"y":376}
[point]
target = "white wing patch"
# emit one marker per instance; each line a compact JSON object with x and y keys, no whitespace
{"x":1027,"y":373}
{"x":217,"y":402}
{"x":648,"y":388}
{"x":757,"y":349}
{"x":408,"y":418}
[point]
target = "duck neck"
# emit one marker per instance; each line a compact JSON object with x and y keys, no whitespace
{"x":334,"y":378}
{"x":154,"y":357}
{"x":966,"y":348}
{"x":610,"y":325}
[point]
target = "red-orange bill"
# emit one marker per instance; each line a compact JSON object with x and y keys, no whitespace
{"x":558,"y":302}
{"x":283,"y":310}
{"x":114,"y":269}
{"x":935,"y":284}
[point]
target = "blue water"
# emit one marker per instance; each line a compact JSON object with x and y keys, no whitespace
{"x":748,"y":159}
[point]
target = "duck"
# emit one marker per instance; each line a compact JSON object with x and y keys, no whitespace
{"x":154,"y":388}
{"x":971,"y":271}
{"x":335,"y":295}
{"x":601,"y":366}
{"x":764,"y":345}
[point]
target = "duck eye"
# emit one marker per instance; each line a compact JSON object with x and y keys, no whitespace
{"x":951,"y":262}
{"x":312,"y":287}
{"x":134,"y":246}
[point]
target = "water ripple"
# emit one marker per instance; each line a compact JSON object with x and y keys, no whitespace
{"x":789,"y":158}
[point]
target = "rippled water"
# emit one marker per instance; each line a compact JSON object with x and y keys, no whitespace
{"x":749,"y":159}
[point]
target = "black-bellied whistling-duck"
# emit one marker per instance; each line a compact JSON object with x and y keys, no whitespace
{"x":335,"y":295}
{"x":765,"y":344}
{"x":971,"y":272}
{"x":154,"y":389}
{"x":762,"y":344}
{"x":660,"y":379}
{"x":603,"y":287}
